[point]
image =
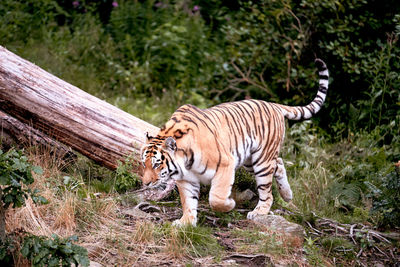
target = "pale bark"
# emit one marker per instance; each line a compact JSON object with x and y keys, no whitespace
{"x":64,"y":112}
{"x":14,"y":133}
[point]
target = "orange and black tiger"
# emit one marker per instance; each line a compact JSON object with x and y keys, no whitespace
{"x":207,"y":146}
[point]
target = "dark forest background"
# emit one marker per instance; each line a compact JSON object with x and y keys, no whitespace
{"x":150,"y":57}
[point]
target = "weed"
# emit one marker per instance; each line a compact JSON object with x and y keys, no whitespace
{"x":313,"y":253}
{"x":339,"y":246}
{"x":196,"y":241}
{"x":54,"y":251}
{"x":125,"y":177}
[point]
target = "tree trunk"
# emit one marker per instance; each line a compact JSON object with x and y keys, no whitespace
{"x":63,"y":112}
{"x":15,"y":133}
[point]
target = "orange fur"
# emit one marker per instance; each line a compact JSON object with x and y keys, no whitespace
{"x":207,"y":146}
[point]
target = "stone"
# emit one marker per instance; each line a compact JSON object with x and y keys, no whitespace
{"x":279,"y":224}
{"x":246,"y":195}
{"x":136,"y":213}
{"x":94,"y":264}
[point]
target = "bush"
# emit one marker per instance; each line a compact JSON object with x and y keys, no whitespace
{"x":15,"y":175}
{"x":125,"y":177}
{"x":386,"y":196}
{"x":54,"y":251}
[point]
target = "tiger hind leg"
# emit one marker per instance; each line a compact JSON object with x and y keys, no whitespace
{"x":220,"y":191}
{"x":281,"y":179}
{"x":263,"y":174}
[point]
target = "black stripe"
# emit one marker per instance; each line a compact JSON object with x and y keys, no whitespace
{"x":264,"y":186}
{"x":166,"y":132}
{"x":251,"y":115}
{"x":189,"y":163}
{"x":187,"y":118}
{"x":205,"y":169}
{"x":261,"y":117}
{"x":263,"y":173}
{"x":175,"y":119}
{"x":312,"y":111}
{"x":264,"y":199}
{"x":323,"y":89}
{"x":262,"y":170}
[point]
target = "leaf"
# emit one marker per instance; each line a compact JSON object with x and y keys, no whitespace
{"x":25,"y":250}
{"x":4,"y":179}
{"x":37,"y":170}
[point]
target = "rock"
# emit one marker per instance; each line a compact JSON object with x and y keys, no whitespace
{"x":94,"y":264}
{"x":246,"y":195}
{"x":279,"y":224}
{"x":136,"y":213}
{"x":147,"y":207}
{"x":248,"y":260}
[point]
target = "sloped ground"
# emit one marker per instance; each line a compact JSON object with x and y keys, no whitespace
{"x":119,"y":230}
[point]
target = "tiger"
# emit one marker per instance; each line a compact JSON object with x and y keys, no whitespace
{"x":205,"y":146}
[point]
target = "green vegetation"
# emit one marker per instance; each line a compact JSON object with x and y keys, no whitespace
{"x":43,"y":251}
{"x":149,"y":57}
{"x":125,"y":177}
{"x":16,"y":174}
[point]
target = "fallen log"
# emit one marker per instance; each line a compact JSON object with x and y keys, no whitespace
{"x":67,"y":114}
{"x":15,"y":133}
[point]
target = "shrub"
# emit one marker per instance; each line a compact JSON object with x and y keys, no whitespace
{"x":125,"y":177}
{"x":54,"y":251}
{"x":386,"y":196}
{"x":15,"y":175}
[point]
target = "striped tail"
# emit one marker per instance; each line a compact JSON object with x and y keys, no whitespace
{"x":306,"y":112}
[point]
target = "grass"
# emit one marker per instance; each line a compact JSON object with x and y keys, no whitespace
{"x":83,"y":202}
{"x":114,"y":239}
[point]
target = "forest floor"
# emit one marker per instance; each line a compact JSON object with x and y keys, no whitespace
{"x":118,"y":229}
{"x":231,"y":240}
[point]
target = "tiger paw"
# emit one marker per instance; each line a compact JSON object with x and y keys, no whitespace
{"x":252,"y":214}
{"x":257,"y":212}
{"x":183,"y":222}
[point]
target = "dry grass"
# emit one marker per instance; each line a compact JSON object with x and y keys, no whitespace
{"x":112,"y":239}
{"x":109,"y":238}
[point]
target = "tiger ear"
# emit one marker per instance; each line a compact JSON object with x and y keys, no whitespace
{"x":148,"y":137}
{"x":170,"y":143}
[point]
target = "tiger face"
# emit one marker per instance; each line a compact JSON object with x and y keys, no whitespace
{"x":158,"y":165}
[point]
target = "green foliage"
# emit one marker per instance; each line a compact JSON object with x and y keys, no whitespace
{"x":125,"y":177}
{"x":54,"y":251}
{"x":164,"y":48}
{"x":385,"y":193}
{"x":338,"y":180}
{"x":339,"y":247}
{"x":195,"y":241}
{"x":313,"y":252}
{"x":244,"y":180}
{"x":15,"y":175}
{"x":7,"y":248}
{"x":261,"y":49}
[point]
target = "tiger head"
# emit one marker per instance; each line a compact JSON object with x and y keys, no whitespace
{"x":157,"y":158}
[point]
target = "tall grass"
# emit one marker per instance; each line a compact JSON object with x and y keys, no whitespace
{"x":332,"y":179}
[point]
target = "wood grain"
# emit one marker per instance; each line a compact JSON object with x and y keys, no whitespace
{"x":66,"y":113}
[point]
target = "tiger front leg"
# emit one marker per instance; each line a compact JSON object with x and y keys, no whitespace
{"x":189,"y":195}
{"x":220,"y":191}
